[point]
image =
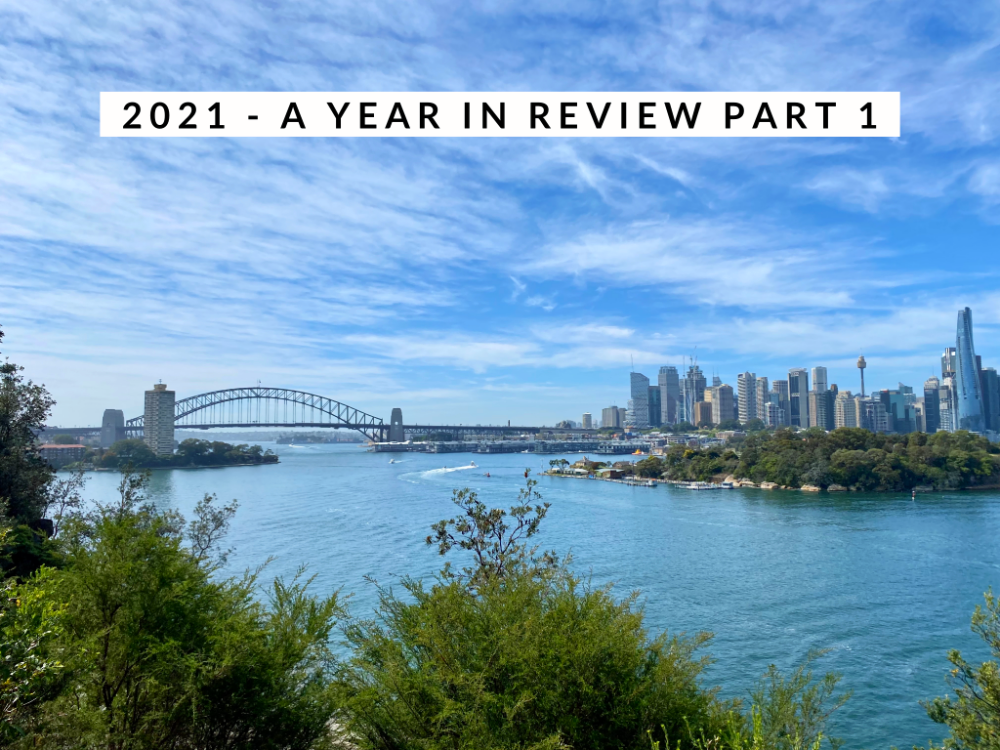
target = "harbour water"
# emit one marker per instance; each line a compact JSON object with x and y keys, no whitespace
{"x":886,"y":584}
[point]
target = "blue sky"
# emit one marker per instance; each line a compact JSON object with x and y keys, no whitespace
{"x":476,"y":280}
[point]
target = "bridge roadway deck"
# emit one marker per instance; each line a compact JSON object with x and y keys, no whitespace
{"x":467,"y":429}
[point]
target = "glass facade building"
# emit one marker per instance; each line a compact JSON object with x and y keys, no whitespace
{"x":968,"y":390}
{"x":639,"y":403}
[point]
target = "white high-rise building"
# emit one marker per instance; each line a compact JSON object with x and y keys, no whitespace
{"x":845,"y":410}
{"x":158,"y":420}
{"x":587,"y":421}
{"x":746,"y":392}
{"x":763,"y":399}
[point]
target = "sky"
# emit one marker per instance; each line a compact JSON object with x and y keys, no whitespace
{"x":481,"y":280}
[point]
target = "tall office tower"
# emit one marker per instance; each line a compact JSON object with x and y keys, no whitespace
{"x":845,"y":413}
{"x":692,"y":391}
{"x":948,"y":363}
{"x":716,"y":381}
{"x":946,"y":404}
{"x":780,"y":388}
{"x":898,"y":409}
{"x":670,"y":392}
{"x":112,"y":427}
{"x":639,"y":405}
{"x":588,"y":421}
{"x":820,"y":402}
{"x":819,"y":379}
{"x":932,"y":405}
{"x":655,"y":412}
{"x":968,"y":393}
{"x":702,"y":414}
{"x":746,"y":388}
{"x":920,"y":415}
{"x":610,"y":417}
{"x":622,"y":415}
{"x":722,"y":403}
{"x":798,"y":396}
{"x":991,"y":398}
{"x":873,"y":416}
{"x":820,"y":411}
{"x":762,"y":398}
{"x":158,"y":420}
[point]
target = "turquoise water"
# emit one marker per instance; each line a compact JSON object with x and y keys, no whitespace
{"x":885,"y":583}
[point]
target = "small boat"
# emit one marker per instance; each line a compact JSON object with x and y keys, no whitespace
{"x":701,"y":486}
{"x":472,"y":464}
{"x":392,"y":460}
{"x":728,"y":486}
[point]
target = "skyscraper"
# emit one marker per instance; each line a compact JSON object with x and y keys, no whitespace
{"x":991,"y":398}
{"x":746,"y":388}
{"x":932,"y":405}
{"x":587,"y":421}
{"x":610,"y":417}
{"x":819,"y":379}
{"x":946,"y":404}
{"x":798,"y":396}
{"x":820,"y":401}
{"x":968,"y":394}
{"x":762,"y":397}
{"x":158,"y":420}
{"x":692,"y":390}
{"x":722,"y":403}
{"x":670,"y":391}
{"x":948,"y":363}
{"x":780,"y":387}
{"x":639,"y":408}
{"x":655,"y":412}
{"x":845,"y":410}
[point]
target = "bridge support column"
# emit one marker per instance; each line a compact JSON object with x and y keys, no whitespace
{"x":396,"y":426}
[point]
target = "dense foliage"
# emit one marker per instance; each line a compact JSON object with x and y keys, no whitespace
{"x":973,"y":714}
{"x":136,"y":643}
{"x":852,"y":458}
{"x":190,"y":453}
{"x":859,"y":459}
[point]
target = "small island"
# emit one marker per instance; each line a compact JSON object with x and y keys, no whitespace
{"x":190,"y":454}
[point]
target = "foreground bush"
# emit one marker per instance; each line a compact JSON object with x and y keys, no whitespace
{"x":517,"y":652}
{"x":973,"y":714}
{"x":155,"y":652}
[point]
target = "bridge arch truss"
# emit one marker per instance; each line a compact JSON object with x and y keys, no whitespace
{"x":267,"y":407}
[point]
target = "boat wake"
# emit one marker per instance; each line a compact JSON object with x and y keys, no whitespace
{"x":449,"y":469}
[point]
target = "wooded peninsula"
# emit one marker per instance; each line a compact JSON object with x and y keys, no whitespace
{"x":844,"y":459}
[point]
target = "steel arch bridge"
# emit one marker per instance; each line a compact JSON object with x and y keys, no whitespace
{"x":266,"y":407}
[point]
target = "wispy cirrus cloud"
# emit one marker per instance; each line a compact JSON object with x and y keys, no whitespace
{"x":417,"y":273}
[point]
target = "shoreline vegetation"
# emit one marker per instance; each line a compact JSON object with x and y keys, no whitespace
{"x":191,"y":453}
{"x":119,"y":629}
{"x":844,"y":460}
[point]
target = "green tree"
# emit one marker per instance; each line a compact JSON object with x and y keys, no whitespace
{"x":162,"y":654}
{"x":63,"y":439}
{"x":529,"y":657}
{"x":972,"y":715}
{"x":24,"y":475}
